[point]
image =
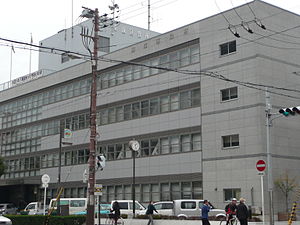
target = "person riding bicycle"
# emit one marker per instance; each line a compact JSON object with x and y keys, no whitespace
{"x":116,"y":210}
{"x":230,"y":210}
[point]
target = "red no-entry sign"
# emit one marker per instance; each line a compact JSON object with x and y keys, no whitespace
{"x":261,"y":165}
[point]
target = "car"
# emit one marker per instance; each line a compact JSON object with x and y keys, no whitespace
{"x":7,"y":208}
{"x":163,"y":208}
{"x":34,"y":208}
{"x":126,"y":207}
{"x":5,"y":221}
{"x":185,"y":208}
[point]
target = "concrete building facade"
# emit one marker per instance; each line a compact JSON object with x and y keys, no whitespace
{"x":193,"y":97}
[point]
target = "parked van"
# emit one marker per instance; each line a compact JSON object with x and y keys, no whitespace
{"x":75,"y":204}
{"x":126,"y":207}
{"x":185,"y":208}
{"x":163,"y":208}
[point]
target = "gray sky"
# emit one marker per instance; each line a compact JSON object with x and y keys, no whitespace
{"x":43,"y":18}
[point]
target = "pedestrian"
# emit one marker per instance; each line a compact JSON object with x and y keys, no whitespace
{"x":204,"y":212}
{"x":149,"y":212}
{"x":116,"y":210}
{"x":242,"y":212}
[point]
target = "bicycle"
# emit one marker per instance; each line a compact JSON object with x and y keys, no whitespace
{"x":110,"y":220}
{"x":233,"y":221}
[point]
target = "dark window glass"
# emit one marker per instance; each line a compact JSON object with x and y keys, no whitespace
{"x":230,"y":141}
{"x":229,"y":93}
{"x":228,"y":47}
{"x":188,"y":205}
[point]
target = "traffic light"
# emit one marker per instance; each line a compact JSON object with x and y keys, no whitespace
{"x":290,"y":111}
{"x":100,"y":162}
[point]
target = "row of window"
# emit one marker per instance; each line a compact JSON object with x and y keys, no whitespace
{"x":13,"y":113}
{"x":149,"y":147}
{"x":164,"y":191}
{"x":28,"y":109}
{"x":172,"y":60}
{"x":16,"y":141}
{"x":153,"y":106}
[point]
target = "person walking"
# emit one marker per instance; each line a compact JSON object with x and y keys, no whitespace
{"x":149,"y":212}
{"x":116,"y":210}
{"x":242,"y":212}
{"x":204,"y":213}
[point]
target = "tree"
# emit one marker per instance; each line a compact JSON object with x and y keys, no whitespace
{"x":2,"y":166}
{"x":286,"y":185}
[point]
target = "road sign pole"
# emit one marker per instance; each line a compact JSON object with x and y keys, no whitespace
{"x":261,"y":166}
{"x":262,"y":197}
{"x":45,"y":194}
{"x":99,"y":211}
{"x":45,"y":181}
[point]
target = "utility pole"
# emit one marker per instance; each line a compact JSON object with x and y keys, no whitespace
{"x":61,"y":130}
{"x":149,"y":15}
{"x":269,"y":157}
{"x":92,"y":155}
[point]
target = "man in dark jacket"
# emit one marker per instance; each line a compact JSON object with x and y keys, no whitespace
{"x":242,"y":212}
{"x":149,"y":212}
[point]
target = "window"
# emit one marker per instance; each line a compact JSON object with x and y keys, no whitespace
{"x":175,"y":146}
{"x":196,"y":97}
{"x":135,"y":110}
{"x":229,"y":93}
{"x":104,"y":43}
{"x":164,"y":145}
{"x":196,"y":142}
{"x":64,"y":58}
{"x":230,"y":141}
{"x":228,"y":47}
{"x":145,"y":108}
{"x":231,"y":193}
{"x":164,"y":104}
{"x":186,"y":143}
{"x":188,"y":205}
{"x":185,"y":100}
{"x":123,"y":205}
{"x":154,"y":106}
{"x":77,"y":203}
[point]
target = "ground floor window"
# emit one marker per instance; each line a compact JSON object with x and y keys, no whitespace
{"x":231,"y":193}
{"x":164,"y":191}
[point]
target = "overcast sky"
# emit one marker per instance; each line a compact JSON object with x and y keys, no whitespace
{"x":44,"y":18}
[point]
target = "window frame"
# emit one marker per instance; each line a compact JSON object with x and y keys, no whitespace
{"x":228,"y":46}
{"x":231,"y":136}
{"x":231,"y":97}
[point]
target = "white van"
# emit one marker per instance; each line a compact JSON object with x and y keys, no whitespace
{"x":126,"y":207}
{"x":185,"y":208}
{"x":75,"y":204}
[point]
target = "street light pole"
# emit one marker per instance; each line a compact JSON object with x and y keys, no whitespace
{"x":133,"y":183}
{"x":92,"y":154}
{"x":134,"y":146}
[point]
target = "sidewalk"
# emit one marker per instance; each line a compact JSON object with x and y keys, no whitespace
{"x":195,"y":222}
